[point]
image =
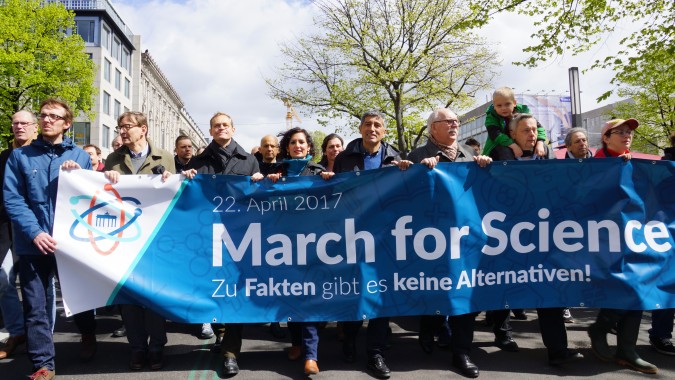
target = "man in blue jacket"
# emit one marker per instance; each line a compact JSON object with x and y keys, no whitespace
{"x":31,"y":180}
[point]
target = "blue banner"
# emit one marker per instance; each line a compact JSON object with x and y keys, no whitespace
{"x":452,"y":240}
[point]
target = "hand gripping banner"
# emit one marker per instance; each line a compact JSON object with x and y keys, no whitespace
{"x":452,"y":240}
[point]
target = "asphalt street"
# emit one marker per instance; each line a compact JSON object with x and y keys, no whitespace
{"x":264,"y":357}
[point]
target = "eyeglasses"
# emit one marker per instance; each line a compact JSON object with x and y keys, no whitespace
{"x":448,"y":121}
{"x":52,"y":116}
{"x":622,"y":132}
{"x":125,"y":127}
{"x":221,"y":126}
{"x":22,"y":123}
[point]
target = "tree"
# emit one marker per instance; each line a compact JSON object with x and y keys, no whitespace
{"x":643,"y":67}
{"x":398,"y":57}
{"x":39,"y":59}
{"x":652,"y":89}
{"x":317,"y":137}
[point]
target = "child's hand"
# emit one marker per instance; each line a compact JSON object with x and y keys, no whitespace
{"x":516,"y":150}
{"x":539,"y":149}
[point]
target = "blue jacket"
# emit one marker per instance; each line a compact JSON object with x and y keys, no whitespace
{"x":31,"y":180}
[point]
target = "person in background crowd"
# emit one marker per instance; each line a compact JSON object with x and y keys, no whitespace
{"x":95,"y":155}
{"x":183,"y":150}
{"x":617,"y":136}
{"x":140,"y":156}
{"x":24,"y":128}
{"x":442,"y":146}
{"x":367,"y":153}
{"x":224,"y":156}
{"x":267,"y":154}
{"x":297,"y":149}
{"x":31,"y":180}
{"x":331,"y":146}
{"x":576,"y":142}
{"x":474,"y":144}
{"x":117,"y":142}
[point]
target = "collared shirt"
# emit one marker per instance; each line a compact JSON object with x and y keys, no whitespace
{"x":140,"y":154}
{"x":372,"y":160}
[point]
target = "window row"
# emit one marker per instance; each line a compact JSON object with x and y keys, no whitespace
{"x":107,"y":67}
{"x":117,"y":106}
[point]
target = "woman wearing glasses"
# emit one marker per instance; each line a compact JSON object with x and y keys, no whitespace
{"x":617,"y":136}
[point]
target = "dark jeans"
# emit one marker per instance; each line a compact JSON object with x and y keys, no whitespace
{"x":305,"y":335}
{"x":376,"y":338}
{"x":142,"y":323}
{"x":35,"y":272}
{"x":662,"y":324}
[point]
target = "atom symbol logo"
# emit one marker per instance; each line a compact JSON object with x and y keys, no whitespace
{"x":106,"y":219}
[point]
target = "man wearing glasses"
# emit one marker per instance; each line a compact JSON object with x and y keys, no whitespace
{"x":442,"y":146}
{"x":139,"y":156}
{"x":29,"y":190}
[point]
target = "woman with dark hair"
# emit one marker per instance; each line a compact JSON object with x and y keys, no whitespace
{"x":296,"y":151}
{"x":332,"y":146}
{"x":617,"y":136}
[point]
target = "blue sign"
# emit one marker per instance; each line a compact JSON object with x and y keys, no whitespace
{"x":452,"y":240}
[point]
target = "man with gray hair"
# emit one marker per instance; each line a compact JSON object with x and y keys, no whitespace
{"x":576,"y":142}
{"x":442,"y":146}
{"x":367,"y":153}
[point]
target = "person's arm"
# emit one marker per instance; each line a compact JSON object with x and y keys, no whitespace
{"x":15,"y":193}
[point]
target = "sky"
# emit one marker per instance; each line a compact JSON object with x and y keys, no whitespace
{"x":216,"y":54}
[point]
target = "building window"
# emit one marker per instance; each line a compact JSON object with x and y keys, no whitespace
{"x":106,"y":103}
{"x":127,"y":88}
{"x":86,"y":29}
{"x":106,"y":70}
{"x":105,"y":137}
{"x":126,"y":59}
{"x":118,"y":80}
{"x":118,"y":106}
{"x":106,"y":38}
{"x":81,"y":131}
{"x":116,"y":48}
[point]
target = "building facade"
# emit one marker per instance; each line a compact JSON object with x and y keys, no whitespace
{"x":126,"y":80}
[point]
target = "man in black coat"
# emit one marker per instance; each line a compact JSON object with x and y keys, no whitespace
{"x":224,"y":156}
{"x":367,"y":153}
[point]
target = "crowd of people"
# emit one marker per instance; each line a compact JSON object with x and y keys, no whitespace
{"x":30,"y":170}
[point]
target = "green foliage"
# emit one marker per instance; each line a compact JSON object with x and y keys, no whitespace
{"x":39,"y":60}
{"x":317,"y":138}
{"x":643,"y":66}
{"x":397,"y":57}
{"x":575,"y":26}
{"x":652,"y":89}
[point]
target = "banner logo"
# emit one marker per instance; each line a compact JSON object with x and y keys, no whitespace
{"x":106,"y":219}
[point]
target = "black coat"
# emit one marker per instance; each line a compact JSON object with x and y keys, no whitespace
{"x":464,"y":153}
{"x":351,"y":159}
{"x":240,"y":162}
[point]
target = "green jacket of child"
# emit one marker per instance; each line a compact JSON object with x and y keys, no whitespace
{"x":498,"y":131}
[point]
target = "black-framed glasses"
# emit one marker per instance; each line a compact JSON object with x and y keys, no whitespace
{"x":125,"y":127}
{"x":448,"y":121}
{"x":51,"y":116}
